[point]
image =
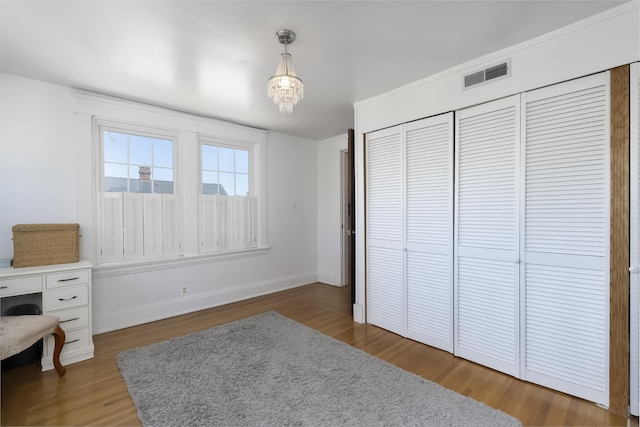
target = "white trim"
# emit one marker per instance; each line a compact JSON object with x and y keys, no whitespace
{"x":86,"y":100}
{"x":114,"y":270}
{"x":500,"y":55}
{"x":634,"y":243}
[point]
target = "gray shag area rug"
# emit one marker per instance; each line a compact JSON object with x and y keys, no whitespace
{"x":268,"y":370}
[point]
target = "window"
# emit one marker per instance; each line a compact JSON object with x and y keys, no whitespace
{"x":228,"y":201}
{"x":225,"y":171}
{"x":139,"y":215}
{"x":137,"y":163}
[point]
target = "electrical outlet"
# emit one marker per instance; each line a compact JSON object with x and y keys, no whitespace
{"x":183,"y":291}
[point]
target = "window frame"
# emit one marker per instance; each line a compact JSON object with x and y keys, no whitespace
{"x":257,"y":186}
{"x":106,"y":125}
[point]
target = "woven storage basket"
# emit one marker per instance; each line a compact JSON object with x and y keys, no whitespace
{"x":45,"y":244}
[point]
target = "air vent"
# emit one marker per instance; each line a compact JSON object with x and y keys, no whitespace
{"x":491,"y":73}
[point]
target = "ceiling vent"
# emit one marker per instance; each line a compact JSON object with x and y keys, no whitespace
{"x":492,"y":73}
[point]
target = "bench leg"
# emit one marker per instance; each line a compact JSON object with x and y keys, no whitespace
{"x":58,"y":336}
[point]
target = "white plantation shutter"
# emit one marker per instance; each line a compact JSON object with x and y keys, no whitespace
{"x":209,"y":220}
{"x":566,"y":235}
{"x":170,"y":225}
{"x":429,"y":231}
{"x":152,"y":220}
{"x":384,"y":212}
{"x":133,"y":226}
{"x":111,"y":243}
{"x":223,"y":226}
{"x":228,"y":222}
{"x":486,"y":238}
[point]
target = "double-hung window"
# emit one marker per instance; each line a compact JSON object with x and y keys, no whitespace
{"x":228,"y":197}
{"x":139,"y":204}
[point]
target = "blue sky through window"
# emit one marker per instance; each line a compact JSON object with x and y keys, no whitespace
{"x":133,"y":162}
{"x":225,"y":171}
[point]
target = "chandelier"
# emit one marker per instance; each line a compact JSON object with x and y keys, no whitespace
{"x":285,"y":87}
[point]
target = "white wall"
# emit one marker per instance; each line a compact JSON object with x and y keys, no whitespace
{"x":599,"y":43}
{"x":330,"y":209}
{"x":46,"y":171}
{"x":37,"y":156}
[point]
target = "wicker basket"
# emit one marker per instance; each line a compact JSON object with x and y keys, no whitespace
{"x":45,"y":244}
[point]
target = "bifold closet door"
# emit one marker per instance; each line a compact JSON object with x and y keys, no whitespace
{"x":565,"y":327}
{"x":429,"y":231}
{"x":486,"y":270}
{"x":634,"y":235}
{"x":409,"y":259}
{"x":385,"y":293}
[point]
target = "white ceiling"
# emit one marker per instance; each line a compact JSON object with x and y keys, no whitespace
{"x":214,"y":58}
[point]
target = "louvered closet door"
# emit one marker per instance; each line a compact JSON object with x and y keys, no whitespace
{"x":566,"y":237}
{"x":486,"y":235}
{"x":429,"y":231}
{"x":635,"y":238}
{"x":385,"y":225}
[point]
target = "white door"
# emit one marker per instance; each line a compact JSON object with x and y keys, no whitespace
{"x":565,"y":223}
{"x":635,"y":238}
{"x":429,"y":231}
{"x":385,"y":227}
{"x":486,"y":270}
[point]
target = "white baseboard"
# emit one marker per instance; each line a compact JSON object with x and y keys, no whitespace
{"x":329,"y":278}
{"x":132,"y":316}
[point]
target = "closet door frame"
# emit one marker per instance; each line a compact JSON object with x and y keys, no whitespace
{"x":634,"y":243}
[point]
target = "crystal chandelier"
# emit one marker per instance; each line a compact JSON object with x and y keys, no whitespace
{"x":285,"y":87}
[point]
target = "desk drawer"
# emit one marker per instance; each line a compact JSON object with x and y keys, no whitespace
{"x":67,"y":278}
{"x":74,"y":340}
{"x":20,"y":285}
{"x":63,"y":298}
{"x":72,"y":318}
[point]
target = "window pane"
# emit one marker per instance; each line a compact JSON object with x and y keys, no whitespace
{"x":209,"y":177}
{"x":115,"y":147}
{"x":209,"y":157}
{"x":226,"y":159}
{"x":162,"y":174}
{"x":242,"y":185}
{"x":163,"y":153}
{"x":140,"y":151}
{"x":209,"y":182}
{"x":115,"y":170}
{"x":163,"y":180}
{"x":115,"y":177}
{"x":139,"y":179}
{"x":242,"y":161}
{"x":227,"y":184}
{"x":163,"y":187}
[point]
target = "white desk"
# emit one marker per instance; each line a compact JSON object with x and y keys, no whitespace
{"x":66,"y":293}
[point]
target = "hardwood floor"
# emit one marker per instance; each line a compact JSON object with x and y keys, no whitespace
{"x":93,"y":393}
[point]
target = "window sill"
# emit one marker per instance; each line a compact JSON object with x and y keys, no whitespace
{"x":113,"y":270}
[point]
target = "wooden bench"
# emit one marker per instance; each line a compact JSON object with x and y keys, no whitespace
{"x":18,"y":333}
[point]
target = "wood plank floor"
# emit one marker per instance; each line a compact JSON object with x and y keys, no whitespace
{"x":93,"y":393}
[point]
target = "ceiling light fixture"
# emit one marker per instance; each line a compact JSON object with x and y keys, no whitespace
{"x":285,"y":87}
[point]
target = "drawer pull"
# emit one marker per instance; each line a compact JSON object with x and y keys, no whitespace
{"x":68,"y":299}
{"x":72,"y":341}
{"x":4,"y":287}
{"x":70,"y":320}
{"x":69,"y":279}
